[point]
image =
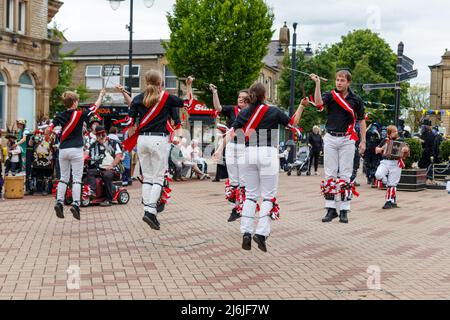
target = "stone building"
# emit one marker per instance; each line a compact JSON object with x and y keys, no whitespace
{"x":28,"y":59}
{"x":440,"y":88}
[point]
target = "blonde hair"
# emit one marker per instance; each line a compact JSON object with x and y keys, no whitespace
{"x":346,"y":74}
{"x":151,"y":96}
{"x":390,"y":129}
{"x":69,"y":98}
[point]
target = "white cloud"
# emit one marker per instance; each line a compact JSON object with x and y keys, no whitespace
{"x":422,"y":25}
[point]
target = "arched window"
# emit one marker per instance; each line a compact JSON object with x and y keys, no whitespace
{"x":26,"y":107}
{"x":3,"y":100}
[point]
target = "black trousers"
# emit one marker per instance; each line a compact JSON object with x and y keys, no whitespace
{"x":314,"y":157}
{"x":107,"y":177}
{"x":41,"y":179}
{"x":28,"y":168}
{"x":356,"y":163}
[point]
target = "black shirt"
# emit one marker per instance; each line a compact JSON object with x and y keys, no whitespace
{"x":230,"y":113}
{"x":158,"y":124}
{"x":267,"y":131}
{"x":75,"y":139}
{"x":315,"y":140}
{"x":338,"y":118}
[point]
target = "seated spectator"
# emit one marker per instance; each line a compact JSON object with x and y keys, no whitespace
{"x":113,"y":134}
{"x":105,"y":161}
{"x":14,"y":151}
{"x":196,"y":155}
{"x":187,"y":162}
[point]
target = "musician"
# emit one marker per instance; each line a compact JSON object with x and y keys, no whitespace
{"x":105,"y":156}
{"x":390,"y":169}
{"x":152,"y":110}
{"x":260,"y":123}
{"x":344,"y":109}
{"x":234,"y":152}
{"x":42,"y":166}
{"x":71,"y":149}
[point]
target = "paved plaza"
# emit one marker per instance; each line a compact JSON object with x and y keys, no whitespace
{"x":403,"y":253}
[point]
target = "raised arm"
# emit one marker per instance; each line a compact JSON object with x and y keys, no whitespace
{"x":318,"y":91}
{"x":216,"y":100}
{"x":98,"y":103}
{"x":126,"y":96}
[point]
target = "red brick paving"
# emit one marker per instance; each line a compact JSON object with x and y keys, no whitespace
{"x":198,"y":255}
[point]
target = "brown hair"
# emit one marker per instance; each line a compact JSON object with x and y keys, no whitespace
{"x":113,"y":130}
{"x":344,"y":73}
{"x":151,"y":96}
{"x":390,"y":129}
{"x":257,"y":93}
{"x":244,"y":91}
{"x":69,"y":98}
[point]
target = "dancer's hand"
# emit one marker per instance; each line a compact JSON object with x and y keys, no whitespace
{"x":216,"y":156}
{"x":102,"y":93}
{"x":362,"y":147}
{"x":315,"y":78}
{"x":213,"y":88}
{"x":304,"y":103}
{"x":190,"y":80}
{"x":120,"y":88}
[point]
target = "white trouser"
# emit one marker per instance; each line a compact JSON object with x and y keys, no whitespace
{"x":389,"y":172}
{"x":234,"y":158}
{"x":339,"y":153}
{"x":261,"y":181}
{"x":153,"y":157}
{"x":70,"y":160}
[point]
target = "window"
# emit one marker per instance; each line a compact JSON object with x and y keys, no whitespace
{"x":136,"y":73}
{"x":111,"y":75}
{"x":94,"y":79}
{"x":26,"y":103}
{"x":22,"y":16}
{"x":9,"y":15}
{"x":2,"y":102}
{"x":170,"y":79}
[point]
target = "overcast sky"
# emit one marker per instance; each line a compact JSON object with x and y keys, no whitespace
{"x":423,"y":26}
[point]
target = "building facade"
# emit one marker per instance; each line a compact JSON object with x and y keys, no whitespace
{"x":104,"y":64}
{"x":28,"y":60}
{"x":440,"y":88}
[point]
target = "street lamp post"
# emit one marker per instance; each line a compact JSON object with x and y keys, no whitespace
{"x":294,"y":66}
{"x":115,"y":4}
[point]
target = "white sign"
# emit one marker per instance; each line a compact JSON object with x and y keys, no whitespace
{"x":13,"y":61}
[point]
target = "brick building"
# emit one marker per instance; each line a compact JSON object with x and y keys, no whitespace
{"x":440,"y":88}
{"x":28,"y":59}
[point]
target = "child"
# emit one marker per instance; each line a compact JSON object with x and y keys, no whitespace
{"x":2,"y":159}
{"x":13,"y":163}
{"x":390,"y":168}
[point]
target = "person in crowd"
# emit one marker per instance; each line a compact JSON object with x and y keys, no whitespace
{"x":2,"y":160}
{"x":371,"y":158}
{"x":105,"y":158}
{"x":315,"y":142}
{"x":42,"y":165}
{"x":14,"y":151}
{"x":438,"y":139}
{"x":113,"y":131}
{"x":176,"y":159}
{"x":427,"y":138}
{"x":196,"y":156}
{"x":188,"y":163}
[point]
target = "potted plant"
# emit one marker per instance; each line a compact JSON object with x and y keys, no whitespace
{"x":413,"y":179}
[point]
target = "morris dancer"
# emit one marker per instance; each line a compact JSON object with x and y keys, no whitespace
{"x":234,"y":154}
{"x":152,"y":110}
{"x":71,"y":149}
{"x":390,"y":169}
{"x":262,"y":162}
{"x":344,"y":109}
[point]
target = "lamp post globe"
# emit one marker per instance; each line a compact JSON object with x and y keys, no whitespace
{"x":115,"y":4}
{"x":149,"y":3}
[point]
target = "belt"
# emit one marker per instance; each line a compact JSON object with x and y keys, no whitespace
{"x":338,"y":134}
{"x":158,"y":134}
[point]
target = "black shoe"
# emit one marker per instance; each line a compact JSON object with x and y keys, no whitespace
{"x":261,"y":241}
{"x":331,"y":214}
{"x":389,"y":205}
{"x":343,"y":216}
{"x":151,"y":220}
{"x":59,"y":209}
{"x":75,"y":211}
{"x":106,"y":203}
{"x":234,"y":215}
{"x":247,"y":241}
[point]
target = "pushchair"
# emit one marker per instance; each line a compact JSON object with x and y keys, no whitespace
{"x":301,"y":163}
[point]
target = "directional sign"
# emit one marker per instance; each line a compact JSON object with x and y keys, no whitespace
{"x":380,"y":86}
{"x":406,"y":64}
{"x":408,"y":60}
{"x":409,"y":75}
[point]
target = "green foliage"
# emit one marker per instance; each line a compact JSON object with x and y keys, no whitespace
{"x":220,"y":42}
{"x":416,"y":152}
{"x":445,"y":150}
{"x":65,"y":74}
{"x":370,"y":60}
{"x":419,"y":97}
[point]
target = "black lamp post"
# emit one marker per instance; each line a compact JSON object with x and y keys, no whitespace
{"x":294,"y":66}
{"x":115,"y":4}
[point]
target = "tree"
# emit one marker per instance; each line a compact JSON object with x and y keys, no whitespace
{"x":220,"y":42}
{"x":65,"y":74}
{"x":419,"y":98}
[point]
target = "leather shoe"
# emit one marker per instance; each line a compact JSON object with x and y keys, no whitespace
{"x":59,"y":209}
{"x":331,"y":214}
{"x":261,"y":241}
{"x":247,"y":241}
{"x":343,"y":216}
{"x":234,"y":215}
{"x":151,"y":220}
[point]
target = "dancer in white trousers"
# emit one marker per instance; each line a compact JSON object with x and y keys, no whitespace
{"x":71,"y":149}
{"x":390,"y":169}
{"x":234,"y":154}
{"x":260,"y":125}
{"x":344,"y":108}
{"x":150,"y":112}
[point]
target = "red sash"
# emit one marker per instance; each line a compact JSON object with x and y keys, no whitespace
{"x":236,"y":111}
{"x":151,"y":114}
{"x":70,"y":126}
{"x":255,"y":119}
{"x":346,"y":106}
